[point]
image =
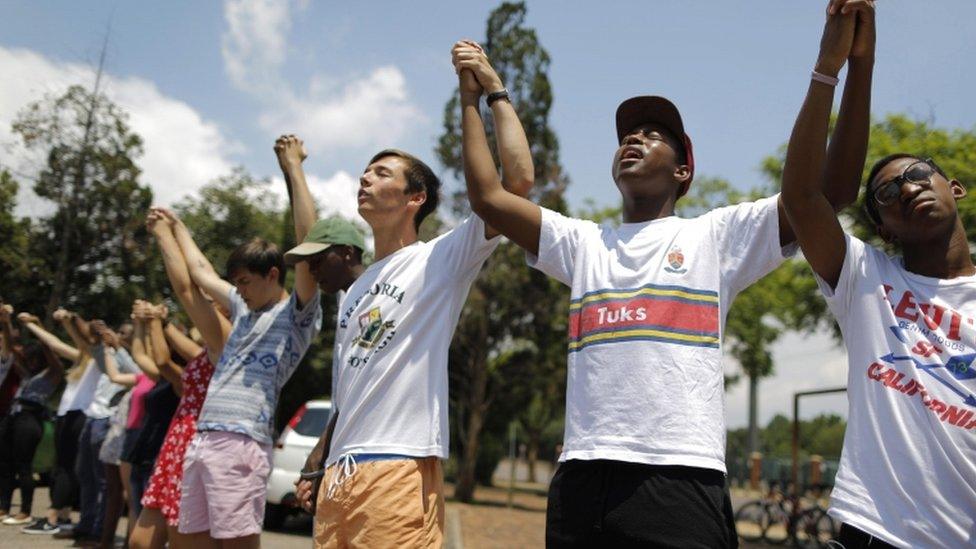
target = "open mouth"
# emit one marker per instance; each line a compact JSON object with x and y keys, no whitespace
{"x":362,"y":196}
{"x":631,"y":153}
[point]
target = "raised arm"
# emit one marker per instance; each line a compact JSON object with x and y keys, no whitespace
{"x":60,"y":348}
{"x":112,"y":368}
{"x":76,"y":327}
{"x":201,"y":270}
{"x":504,"y":210}
{"x":811,"y":214}
{"x":9,"y":349}
{"x":181,"y":343}
{"x":55,"y":368}
{"x":7,"y":344}
{"x":201,"y":312}
{"x":170,"y":371}
{"x":141,"y":347}
{"x":291,"y":153}
{"x":849,"y":143}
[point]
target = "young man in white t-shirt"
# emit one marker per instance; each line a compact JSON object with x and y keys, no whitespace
{"x":907,"y":474}
{"x":383,"y":483}
{"x":643,"y":460}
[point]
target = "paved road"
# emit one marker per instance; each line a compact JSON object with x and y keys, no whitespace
{"x":297,"y":531}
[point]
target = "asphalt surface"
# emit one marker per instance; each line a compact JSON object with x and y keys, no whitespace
{"x":296,"y":531}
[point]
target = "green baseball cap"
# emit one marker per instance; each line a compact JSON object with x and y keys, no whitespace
{"x":326,"y":232}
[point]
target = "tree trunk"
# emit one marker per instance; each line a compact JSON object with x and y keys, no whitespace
{"x":477,"y":407}
{"x":753,"y":412}
{"x":532,"y":453}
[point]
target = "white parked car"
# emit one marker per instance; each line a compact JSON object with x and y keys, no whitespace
{"x":290,"y":452}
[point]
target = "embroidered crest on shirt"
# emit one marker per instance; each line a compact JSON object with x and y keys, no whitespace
{"x":676,"y":259}
{"x":371,"y":328}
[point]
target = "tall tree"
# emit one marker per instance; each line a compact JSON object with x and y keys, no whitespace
{"x":509,"y":306}
{"x":953,"y":149}
{"x":15,"y":259}
{"x":93,"y":249}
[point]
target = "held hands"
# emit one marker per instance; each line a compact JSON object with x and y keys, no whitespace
{"x":846,"y":19}
{"x":166,"y":215}
{"x":61,"y":315}
{"x":476,"y":74}
{"x":27,"y":318}
{"x":864,"y":31}
{"x":108,"y":337}
{"x":6,"y":311}
{"x":156,"y":221}
{"x":142,"y":310}
{"x":303,"y":492}
{"x":290,"y":151}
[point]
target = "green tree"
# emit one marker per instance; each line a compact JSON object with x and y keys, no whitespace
{"x":230,"y":211}
{"x":92,"y":251}
{"x":511,"y":335}
{"x":953,"y":149}
{"x":15,"y":261}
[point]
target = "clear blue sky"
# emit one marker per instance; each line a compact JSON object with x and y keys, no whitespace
{"x":210,"y":85}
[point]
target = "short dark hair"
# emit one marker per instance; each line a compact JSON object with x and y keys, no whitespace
{"x":34,"y":357}
{"x":869,"y":206}
{"x":257,"y":256}
{"x":419,"y":178}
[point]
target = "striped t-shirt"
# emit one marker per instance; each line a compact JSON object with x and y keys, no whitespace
{"x":647,"y":311}
{"x":262,"y":352}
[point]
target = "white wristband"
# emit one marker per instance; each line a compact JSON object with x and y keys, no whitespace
{"x":824,"y":79}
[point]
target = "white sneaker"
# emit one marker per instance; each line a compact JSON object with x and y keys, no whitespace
{"x":12,"y":520}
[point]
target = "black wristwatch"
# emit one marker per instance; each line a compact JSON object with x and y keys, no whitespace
{"x":495,"y":96}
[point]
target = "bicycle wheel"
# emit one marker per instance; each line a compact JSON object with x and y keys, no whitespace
{"x":814,"y":528}
{"x":778,"y":527}
{"x":750,"y":521}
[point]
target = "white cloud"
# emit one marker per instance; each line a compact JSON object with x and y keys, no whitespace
{"x":254,"y":45}
{"x":369,"y":111}
{"x":183,"y":150}
{"x":334,"y":195}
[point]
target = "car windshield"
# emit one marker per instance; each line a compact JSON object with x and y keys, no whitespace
{"x":313,"y":422}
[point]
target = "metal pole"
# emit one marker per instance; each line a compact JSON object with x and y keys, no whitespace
{"x":795,"y":473}
{"x":796,"y":441}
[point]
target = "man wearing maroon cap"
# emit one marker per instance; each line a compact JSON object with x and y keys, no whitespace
{"x":643,"y":460}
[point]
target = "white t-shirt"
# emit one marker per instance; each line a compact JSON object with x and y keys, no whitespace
{"x":647,"y":311}
{"x":393,"y":331}
{"x":908,"y":469}
{"x":105,"y":390}
{"x":78,"y":394}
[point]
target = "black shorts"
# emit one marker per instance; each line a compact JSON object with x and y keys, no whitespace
{"x":854,"y":538}
{"x":602,"y":503}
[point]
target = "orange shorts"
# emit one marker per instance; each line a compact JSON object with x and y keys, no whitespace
{"x":385,"y":503}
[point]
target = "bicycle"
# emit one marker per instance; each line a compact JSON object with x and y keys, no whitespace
{"x":777,"y":518}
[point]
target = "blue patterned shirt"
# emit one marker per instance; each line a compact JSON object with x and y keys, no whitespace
{"x":262,"y":352}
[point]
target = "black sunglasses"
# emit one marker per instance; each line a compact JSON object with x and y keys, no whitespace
{"x":887,"y":193}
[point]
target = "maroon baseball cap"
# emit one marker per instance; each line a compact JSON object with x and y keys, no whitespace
{"x":646,"y":109}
